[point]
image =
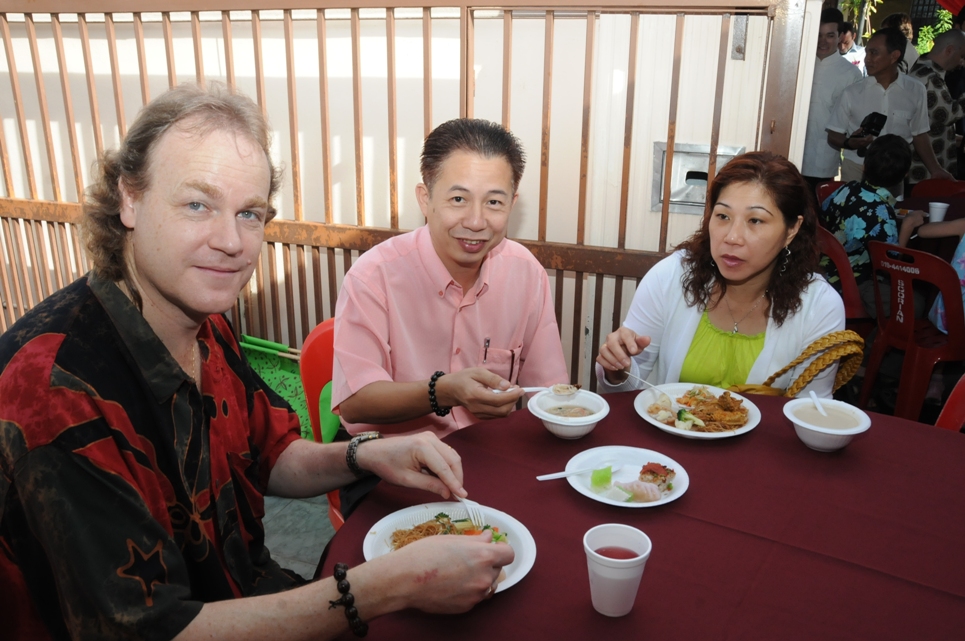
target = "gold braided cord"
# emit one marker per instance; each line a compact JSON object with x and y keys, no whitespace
{"x":846,"y":346}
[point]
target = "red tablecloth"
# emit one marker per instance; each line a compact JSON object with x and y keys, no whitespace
{"x":771,"y":541}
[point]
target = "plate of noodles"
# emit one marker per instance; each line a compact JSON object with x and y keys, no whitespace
{"x":379,"y":540}
{"x":723,"y":414}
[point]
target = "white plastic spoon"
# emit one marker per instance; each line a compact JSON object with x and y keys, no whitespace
{"x":817,"y":403}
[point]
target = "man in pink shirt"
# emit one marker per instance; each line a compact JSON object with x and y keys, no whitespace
{"x":428,"y":324}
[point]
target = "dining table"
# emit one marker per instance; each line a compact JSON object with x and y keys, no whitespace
{"x":771,"y":540}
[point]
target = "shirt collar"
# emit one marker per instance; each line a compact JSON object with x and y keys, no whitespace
{"x":158,"y":367}
{"x":883,"y":192}
{"x":439,"y":275}
{"x":927,"y":62}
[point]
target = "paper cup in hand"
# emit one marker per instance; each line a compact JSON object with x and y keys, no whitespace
{"x":615,"y":557}
{"x":936,"y":212}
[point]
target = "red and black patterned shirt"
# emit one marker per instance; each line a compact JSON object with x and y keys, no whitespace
{"x":127,"y":497}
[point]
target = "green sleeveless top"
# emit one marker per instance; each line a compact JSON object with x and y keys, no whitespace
{"x":720,"y":358}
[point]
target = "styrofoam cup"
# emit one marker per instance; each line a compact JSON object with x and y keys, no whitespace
{"x":614,"y":582}
{"x":936,"y":212}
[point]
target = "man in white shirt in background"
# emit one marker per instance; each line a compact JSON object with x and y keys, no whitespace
{"x":849,"y":49}
{"x":832,"y":74}
{"x":902,"y":100}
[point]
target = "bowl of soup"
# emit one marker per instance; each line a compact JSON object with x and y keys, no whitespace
{"x":569,"y":416}
{"x":826,"y":433}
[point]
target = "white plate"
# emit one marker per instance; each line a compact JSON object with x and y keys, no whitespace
{"x":379,"y":539}
{"x":648,"y":397}
{"x":632,"y":459}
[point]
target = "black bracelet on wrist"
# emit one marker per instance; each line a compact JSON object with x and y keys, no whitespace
{"x":439,"y":411}
{"x":355,"y":623}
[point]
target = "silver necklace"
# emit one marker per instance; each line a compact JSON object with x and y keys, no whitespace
{"x":738,"y":322}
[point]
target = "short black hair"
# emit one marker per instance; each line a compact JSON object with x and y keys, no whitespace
{"x":832,"y":15}
{"x":488,"y":139}
{"x":895,"y":40}
{"x":887,"y":161}
{"x":847,"y":27}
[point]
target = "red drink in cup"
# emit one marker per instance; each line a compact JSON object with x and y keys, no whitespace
{"x":615,"y":557}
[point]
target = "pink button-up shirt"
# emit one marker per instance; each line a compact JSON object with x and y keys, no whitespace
{"x":401,"y":316}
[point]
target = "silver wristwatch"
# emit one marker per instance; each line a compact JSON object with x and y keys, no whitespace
{"x":351,"y":453}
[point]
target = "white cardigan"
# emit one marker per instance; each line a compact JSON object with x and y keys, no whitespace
{"x":660,"y":311}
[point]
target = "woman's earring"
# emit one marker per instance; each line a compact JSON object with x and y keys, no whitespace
{"x":713,"y":264}
{"x":787,"y":258}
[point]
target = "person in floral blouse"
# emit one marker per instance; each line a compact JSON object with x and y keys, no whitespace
{"x":861,"y":211}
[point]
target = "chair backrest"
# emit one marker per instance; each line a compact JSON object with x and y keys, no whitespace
{"x":953,"y":414}
{"x":904,"y":267}
{"x":936,"y":187}
{"x":825,"y":189}
{"x":833,"y":249}
{"x":316,"y":369}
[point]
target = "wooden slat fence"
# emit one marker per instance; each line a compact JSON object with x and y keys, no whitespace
{"x":343,"y":193}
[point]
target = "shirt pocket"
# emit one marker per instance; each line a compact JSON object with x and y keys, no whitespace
{"x":902,"y":116}
{"x":502,"y":362}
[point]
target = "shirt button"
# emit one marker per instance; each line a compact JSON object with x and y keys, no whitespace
{"x":458,"y":350}
{"x":441,"y":294}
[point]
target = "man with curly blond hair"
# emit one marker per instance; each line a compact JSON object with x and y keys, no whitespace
{"x":137,"y":444}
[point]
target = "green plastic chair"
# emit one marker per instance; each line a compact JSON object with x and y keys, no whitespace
{"x":279,"y":369}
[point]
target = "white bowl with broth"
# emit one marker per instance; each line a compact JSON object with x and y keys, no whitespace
{"x":569,"y":416}
{"x":826,"y":433}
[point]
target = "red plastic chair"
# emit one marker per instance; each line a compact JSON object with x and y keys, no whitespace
{"x":937,"y":188}
{"x":923,"y":344}
{"x":316,"y":370}
{"x":857,"y":319}
{"x":825,"y":189}
{"x":953,"y":414}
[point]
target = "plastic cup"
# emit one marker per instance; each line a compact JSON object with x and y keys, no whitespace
{"x":614,"y":582}
{"x":936,"y":212}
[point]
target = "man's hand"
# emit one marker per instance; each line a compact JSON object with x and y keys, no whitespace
{"x":421,"y":461}
{"x":615,"y":353}
{"x":449,"y":574}
{"x":472,"y":388}
{"x":941,"y":174}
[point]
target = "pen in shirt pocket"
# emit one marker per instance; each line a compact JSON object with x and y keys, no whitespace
{"x":485,"y":350}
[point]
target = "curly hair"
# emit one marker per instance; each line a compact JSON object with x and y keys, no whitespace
{"x":488,"y":139}
{"x":191,"y":108}
{"x":792,"y":195}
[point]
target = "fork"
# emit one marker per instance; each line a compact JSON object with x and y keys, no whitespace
{"x":474,"y":510}
{"x":673,"y":404}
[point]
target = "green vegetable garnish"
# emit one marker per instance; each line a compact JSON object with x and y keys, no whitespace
{"x":601,"y":479}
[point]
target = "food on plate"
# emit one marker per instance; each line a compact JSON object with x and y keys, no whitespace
{"x":441,"y":524}
{"x":686,"y":420}
{"x":704,"y":411}
{"x":569,"y":411}
{"x":654,"y":481}
{"x":640,"y":491}
{"x":602,"y":478}
{"x":564,"y":389}
{"x":660,"y":475}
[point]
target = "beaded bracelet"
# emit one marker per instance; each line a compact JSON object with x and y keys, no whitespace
{"x":355,"y":623}
{"x":439,"y":411}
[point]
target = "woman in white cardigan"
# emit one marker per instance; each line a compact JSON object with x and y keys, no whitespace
{"x":740,"y":299}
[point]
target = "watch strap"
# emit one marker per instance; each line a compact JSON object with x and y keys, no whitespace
{"x":351,"y":454}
